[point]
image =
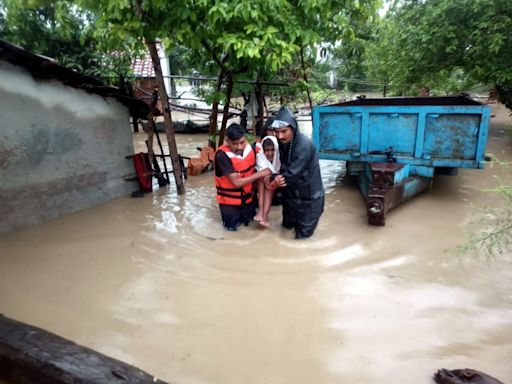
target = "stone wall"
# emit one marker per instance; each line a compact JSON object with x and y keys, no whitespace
{"x":61,"y":149}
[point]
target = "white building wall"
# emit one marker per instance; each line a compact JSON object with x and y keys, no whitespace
{"x":164,"y":63}
{"x":61,"y":149}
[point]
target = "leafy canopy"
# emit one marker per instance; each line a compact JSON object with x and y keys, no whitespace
{"x":61,"y":30}
{"x":445,"y":44}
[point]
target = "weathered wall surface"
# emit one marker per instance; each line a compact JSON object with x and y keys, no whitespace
{"x":61,"y":149}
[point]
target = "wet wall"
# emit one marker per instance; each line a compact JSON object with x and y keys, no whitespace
{"x":62,"y":149}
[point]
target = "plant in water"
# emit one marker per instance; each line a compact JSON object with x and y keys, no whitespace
{"x":494,"y":238}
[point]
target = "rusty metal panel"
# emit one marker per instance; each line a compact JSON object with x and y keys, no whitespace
{"x":451,"y":135}
{"x":423,"y":133}
{"x":394,"y":145}
{"x":340,"y":126}
{"x":393,"y":131}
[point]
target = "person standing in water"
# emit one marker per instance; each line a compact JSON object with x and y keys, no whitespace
{"x":268,"y":157}
{"x":299,"y":178}
{"x":235,"y":174}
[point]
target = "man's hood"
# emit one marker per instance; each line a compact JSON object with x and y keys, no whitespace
{"x":286,"y":115}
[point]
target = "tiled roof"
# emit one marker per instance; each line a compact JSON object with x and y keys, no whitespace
{"x":143,"y":67}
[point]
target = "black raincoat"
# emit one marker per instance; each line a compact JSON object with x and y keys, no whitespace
{"x":303,"y":196}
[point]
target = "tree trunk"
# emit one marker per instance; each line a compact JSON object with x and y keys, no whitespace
{"x":215,"y":110}
{"x":305,"y":75}
{"x":225,"y":114}
{"x":265,"y":106}
{"x":169,"y":128}
{"x":258,"y":91}
{"x":174,"y":93}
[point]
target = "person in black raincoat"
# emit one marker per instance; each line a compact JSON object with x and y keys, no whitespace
{"x":299,"y":179}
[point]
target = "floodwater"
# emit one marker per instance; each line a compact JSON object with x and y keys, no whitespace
{"x":158,"y":283}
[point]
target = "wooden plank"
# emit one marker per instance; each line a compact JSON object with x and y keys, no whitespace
{"x":33,"y":355}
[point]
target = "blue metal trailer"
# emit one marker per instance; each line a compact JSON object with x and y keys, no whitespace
{"x":395,"y":146}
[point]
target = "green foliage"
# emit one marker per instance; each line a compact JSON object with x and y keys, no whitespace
{"x":326,"y":96}
{"x":295,"y":94}
{"x":250,"y":138}
{"x":209,"y":95}
{"x":179,"y":57}
{"x":213,"y":139}
{"x":496,"y":237}
{"x":443,"y":44}
{"x":251,"y":35}
{"x":320,"y":73}
{"x":61,"y":30}
{"x":263,"y":38}
{"x":350,"y":53}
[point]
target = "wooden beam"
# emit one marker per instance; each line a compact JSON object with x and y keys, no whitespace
{"x":32,"y":355}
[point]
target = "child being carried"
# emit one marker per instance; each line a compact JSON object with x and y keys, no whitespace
{"x":268,"y":157}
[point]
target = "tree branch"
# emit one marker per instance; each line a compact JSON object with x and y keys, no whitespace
{"x":221,"y":62}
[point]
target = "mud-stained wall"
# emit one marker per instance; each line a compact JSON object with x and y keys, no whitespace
{"x":61,"y":149}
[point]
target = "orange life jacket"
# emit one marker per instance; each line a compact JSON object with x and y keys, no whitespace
{"x":244,"y":165}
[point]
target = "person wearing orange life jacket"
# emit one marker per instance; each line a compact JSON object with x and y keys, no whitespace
{"x":235,"y":174}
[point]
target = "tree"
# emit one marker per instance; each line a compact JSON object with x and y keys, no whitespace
{"x":451,"y":46}
{"x":443,"y":42}
{"x":238,"y":37}
{"x":132,"y":24}
{"x":177,"y":63}
{"x":261,"y":37}
{"x":339,"y":24}
{"x":61,"y":30}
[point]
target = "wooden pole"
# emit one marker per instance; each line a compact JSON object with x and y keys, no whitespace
{"x":169,"y":129}
{"x":164,"y":98}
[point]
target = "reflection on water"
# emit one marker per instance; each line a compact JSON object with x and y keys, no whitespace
{"x":158,"y":283}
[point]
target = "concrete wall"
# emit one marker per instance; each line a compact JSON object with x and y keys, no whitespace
{"x":61,"y":149}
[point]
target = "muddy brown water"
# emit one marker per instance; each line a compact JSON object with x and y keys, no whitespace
{"x":158,"y":283}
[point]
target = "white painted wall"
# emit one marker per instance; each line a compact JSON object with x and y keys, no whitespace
{"x":61,"y":149}
{"x":164,"y":63}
